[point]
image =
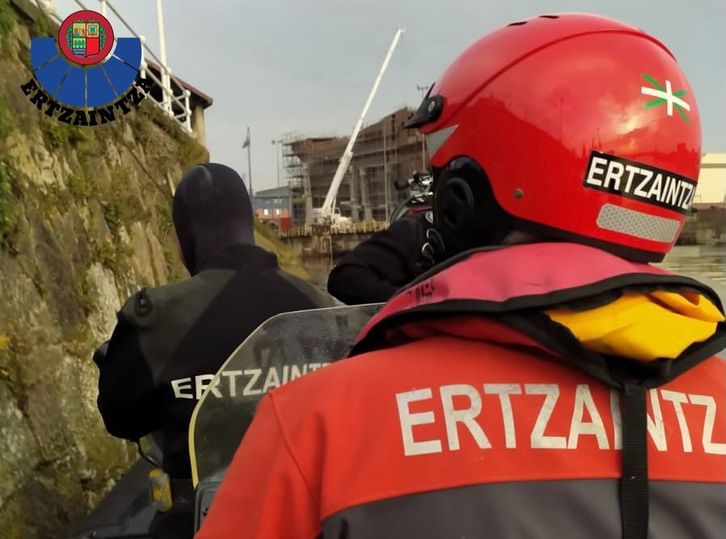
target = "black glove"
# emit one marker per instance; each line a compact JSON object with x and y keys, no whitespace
{"x":434,"y":250}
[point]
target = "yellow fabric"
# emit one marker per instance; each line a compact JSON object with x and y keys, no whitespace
{"x":643,"y":326}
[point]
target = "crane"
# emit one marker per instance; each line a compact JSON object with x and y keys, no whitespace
{"x":325,"y":214}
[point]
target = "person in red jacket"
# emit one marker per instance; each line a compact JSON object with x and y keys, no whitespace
{"x":547,"y":381}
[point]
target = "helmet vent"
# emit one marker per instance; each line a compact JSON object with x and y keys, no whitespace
{"x":519,"y":23}
{"x":548,"y":17}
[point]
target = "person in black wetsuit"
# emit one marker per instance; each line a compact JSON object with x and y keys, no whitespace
{"x":380,"y":265}
{"x":392,"y":258}
{"x":171,"y":340}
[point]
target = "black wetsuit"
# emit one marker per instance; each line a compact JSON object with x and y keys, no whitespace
{"x":379,"y":266}
{"x":169,"y":341}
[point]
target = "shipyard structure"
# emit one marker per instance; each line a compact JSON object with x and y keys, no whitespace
{"x":384,"y":152}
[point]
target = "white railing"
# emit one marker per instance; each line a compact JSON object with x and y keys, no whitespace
{"x":169,"y":97}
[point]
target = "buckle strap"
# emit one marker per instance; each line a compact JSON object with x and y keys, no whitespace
{"x":634,"y":503}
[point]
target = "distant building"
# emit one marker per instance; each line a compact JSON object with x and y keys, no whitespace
{"x":384,"y":152}
{"x":272,"y":206}
{"x":707,"y":222}
{"x":711,"y":188}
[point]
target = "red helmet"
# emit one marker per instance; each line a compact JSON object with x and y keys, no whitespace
{"x":577,"y":125}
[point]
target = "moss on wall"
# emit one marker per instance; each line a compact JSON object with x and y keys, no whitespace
{"x":288,"y":259}
{"x":84,"y":222}
{"x":9,"y":204}
{"x":8,"y":19}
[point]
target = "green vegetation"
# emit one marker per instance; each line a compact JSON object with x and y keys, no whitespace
{"x":140,"y":124}
{"x":86,"y":146}
{"x":130,"y":207}
{"x":40,"y":28}
{"x":53,"y":199}
{"x":4,"y":357}
{"x":112,"y":216}
{"x":106,"y":254}
{"x":56,"y":134}
{"x":7,"y":19}
{"x":7,"y":120}
{"x":51,"y":233}
{"x":113,"y":255}
{"x":165,"y":218}
{"x":80,"y":186}
{"x":189,"y":151}
{"x":9,"y":212}
{"x":268,"y":232}
{"x":288,"y":259}
{"x":13,"y":343}
{"x":87,"y":295}
{"x":37,"y":279}
{"x":77,"y":135}
{"x":59,"y":138}
{"x":173,"y":266}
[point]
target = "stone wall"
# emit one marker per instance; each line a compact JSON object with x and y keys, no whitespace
{"x":84,"y":221}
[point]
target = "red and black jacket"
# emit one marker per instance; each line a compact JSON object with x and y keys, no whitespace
{"x":466,"y":412}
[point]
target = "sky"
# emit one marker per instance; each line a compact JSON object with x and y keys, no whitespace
{"x":307,"y":66}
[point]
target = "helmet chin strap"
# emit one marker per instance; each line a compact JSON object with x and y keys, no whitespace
{"x":466,"y":213}
{"x":518,"y":237}
{"x":435,"y":251}
{"x":495,"y":234}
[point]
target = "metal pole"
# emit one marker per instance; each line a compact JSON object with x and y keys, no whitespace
{"x":278,"y":157}
{"x":103,"y":7}
{"x":423,"y":90}
{"x":385,"y":168}
{"x":187,"y":111}
{"x":162,"y":53}
{"x":423,"y":152}
{"x":249,"y":163}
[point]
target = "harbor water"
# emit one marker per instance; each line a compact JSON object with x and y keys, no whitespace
{"x":704,"y":263}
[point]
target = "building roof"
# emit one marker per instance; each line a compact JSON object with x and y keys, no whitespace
{"x":275,"y":192}
{"x":197,"y":97}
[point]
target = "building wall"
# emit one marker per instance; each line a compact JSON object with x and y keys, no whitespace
{"x":711,"y":186}
{"x":384,"y":152}
{"x":198,"y":127}
{"x":272,"y":206}
{"x":271,"y":213}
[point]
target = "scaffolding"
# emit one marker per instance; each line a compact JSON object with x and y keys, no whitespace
{"x":309,"y":164}
{"x":384,"y":151}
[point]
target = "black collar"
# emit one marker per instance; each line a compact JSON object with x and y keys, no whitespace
{"x":241,"y":257}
